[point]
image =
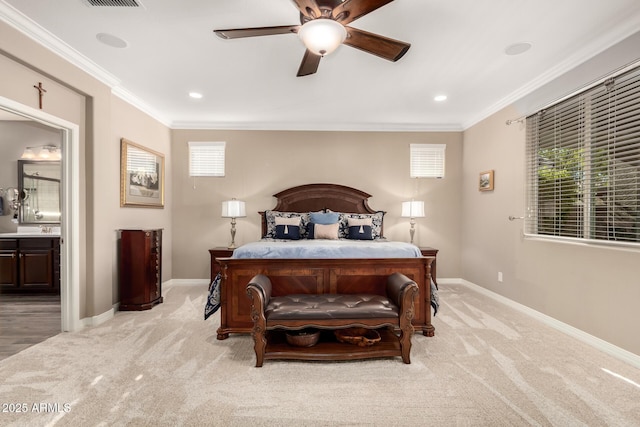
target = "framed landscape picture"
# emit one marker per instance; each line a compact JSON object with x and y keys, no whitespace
{"x":486,"y":181}
{"x":141,"y":176}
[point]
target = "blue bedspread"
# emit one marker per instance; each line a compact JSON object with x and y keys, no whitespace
{"x":270,"y":248}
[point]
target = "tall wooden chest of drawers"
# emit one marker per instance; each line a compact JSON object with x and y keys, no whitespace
{"x":140,"y":268}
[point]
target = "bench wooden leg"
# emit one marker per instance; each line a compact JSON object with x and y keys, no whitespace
{"x":259,"y":345}
{"x":406,"y":328}
{"x":405,"y":343}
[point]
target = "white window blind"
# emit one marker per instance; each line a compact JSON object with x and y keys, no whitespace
{"x":583,"y":164}
{"x":206,"y":158}
{"x":427,"y":160}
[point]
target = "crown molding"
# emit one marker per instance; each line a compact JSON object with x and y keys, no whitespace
{"x":317,"y":126}
{"x":129,"y":98}
{"x":35,"y":32}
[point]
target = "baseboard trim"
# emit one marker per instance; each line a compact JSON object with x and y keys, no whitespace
{"x":186,"y":282}
{"x":600,"y":344}
{"x":449,"y":282}
{"x":99,"y":319}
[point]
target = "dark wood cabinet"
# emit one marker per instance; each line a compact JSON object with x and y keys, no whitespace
{"x":140,"y":269}
{"x":30,"y":265}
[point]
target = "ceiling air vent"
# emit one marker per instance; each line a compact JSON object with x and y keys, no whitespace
{"x":113,"y":3}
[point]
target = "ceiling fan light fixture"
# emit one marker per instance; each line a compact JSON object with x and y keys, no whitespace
{"x":322,"y":36}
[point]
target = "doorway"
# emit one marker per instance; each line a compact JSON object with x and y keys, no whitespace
{"x":69,"y":226}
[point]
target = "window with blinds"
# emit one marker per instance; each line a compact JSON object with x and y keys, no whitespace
{"x":583,"y":164}
{"x":427,"y":160}
{"x":206,"y":158}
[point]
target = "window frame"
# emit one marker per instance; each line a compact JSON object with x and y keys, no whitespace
{"x":427,"y":160}
{"x":214,"y":151}
{"x":596,"y":135}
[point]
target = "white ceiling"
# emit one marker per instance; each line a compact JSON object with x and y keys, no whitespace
{"x":457,"y":49}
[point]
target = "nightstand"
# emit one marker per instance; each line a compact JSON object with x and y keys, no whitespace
{"x":427,"y":251}
{"x":218,"y":253}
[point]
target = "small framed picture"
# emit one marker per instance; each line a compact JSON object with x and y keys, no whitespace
{"x":141,"y":176}
{"x":486,"y":181}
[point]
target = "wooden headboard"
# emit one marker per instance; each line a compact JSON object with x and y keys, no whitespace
{"x":316,"y":197}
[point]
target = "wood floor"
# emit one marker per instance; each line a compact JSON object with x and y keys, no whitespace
{"x":26,"y":320}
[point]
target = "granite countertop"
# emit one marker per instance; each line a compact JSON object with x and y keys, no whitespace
{"x":26,"y":231}
{"x":23,"y":235}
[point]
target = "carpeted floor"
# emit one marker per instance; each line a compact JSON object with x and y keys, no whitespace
{"x":487,"y":365}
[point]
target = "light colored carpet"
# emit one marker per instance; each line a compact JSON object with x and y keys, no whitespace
{"x":487,"y":365}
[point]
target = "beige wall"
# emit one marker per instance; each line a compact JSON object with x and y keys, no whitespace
{"x":103,"y":119}
{"x":593,"y":288}
{"x":262,"y":163}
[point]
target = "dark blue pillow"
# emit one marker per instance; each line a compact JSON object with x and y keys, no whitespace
{"x":360,"y":232}
{"x":290,"y":232}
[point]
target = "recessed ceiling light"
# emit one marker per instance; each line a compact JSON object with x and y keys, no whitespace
{"x":517,"y":48}
{"x":440,"y":98}
{"x":111,"y":40}
{"x":195,"y":95}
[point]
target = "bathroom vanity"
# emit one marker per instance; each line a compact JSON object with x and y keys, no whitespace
{"x":29,"y":263}
{"x":30,"y":256}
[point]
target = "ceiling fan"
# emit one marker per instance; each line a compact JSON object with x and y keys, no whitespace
{"x":323,"y":27}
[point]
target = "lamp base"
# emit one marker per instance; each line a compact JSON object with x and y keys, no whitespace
{"x":233,"y":234}
{"x":412,"y":230}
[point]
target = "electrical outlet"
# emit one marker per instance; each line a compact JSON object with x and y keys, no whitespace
{"x":500,"y":276}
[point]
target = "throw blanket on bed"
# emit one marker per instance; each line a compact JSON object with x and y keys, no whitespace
{"x":213,"y":299}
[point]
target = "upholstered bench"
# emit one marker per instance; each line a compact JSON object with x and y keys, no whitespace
{"x":390,"y":314}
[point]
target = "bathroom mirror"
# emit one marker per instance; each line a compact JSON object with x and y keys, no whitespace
{"x":39,"y":192}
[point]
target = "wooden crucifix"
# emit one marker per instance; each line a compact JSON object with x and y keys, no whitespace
{"x":41,"y":92}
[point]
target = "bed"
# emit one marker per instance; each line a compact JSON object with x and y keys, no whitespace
{"x":344,"y":266}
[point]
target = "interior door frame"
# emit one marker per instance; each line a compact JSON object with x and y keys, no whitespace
{"x":70,"y":220}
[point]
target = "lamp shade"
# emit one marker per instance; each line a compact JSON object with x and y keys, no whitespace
{"x":322,"y":36}
{"x":413,"y":209}
{"x":233,"y":209}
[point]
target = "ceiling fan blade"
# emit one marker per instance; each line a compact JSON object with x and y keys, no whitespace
{"x":375,"y":44}
{"x":308,"y":8}
{"x":258,"y":31}
{"x":351,"y":10}
{"x":309,"y":64}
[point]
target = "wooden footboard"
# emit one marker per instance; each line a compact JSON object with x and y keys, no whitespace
{"x":315,"y":276}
